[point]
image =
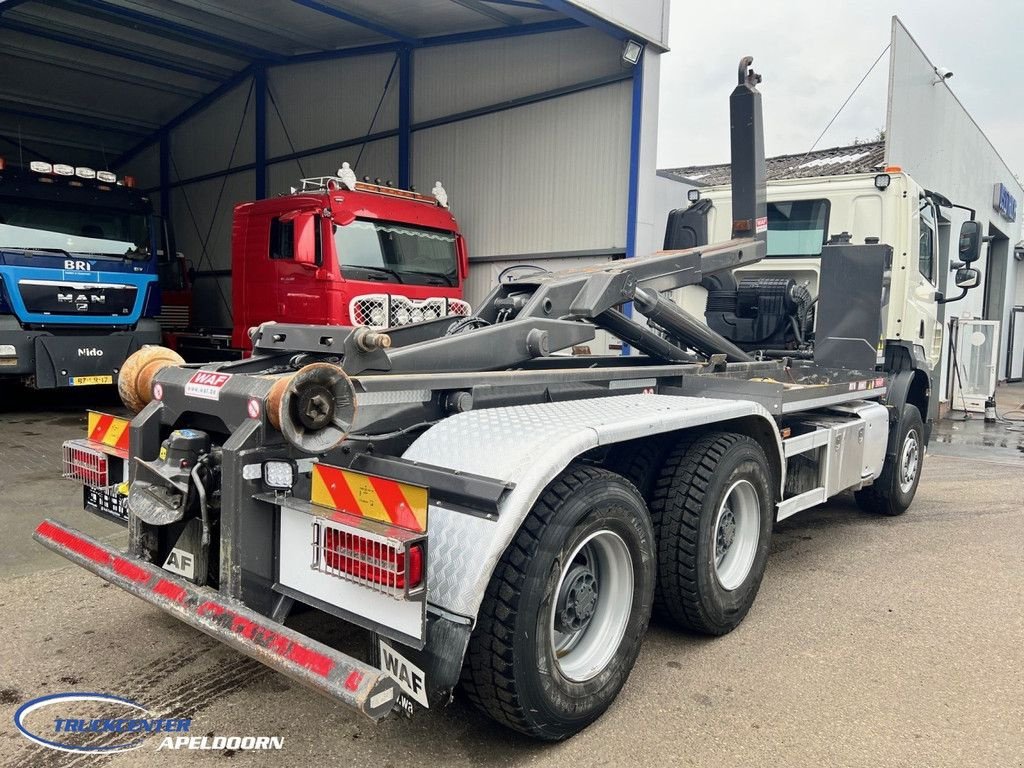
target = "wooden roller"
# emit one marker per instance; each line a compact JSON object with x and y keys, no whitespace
{"x":135,"y":381}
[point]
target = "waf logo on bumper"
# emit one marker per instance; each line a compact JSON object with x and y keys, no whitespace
{"x":206,"y":384}
{"x":91,"y":723}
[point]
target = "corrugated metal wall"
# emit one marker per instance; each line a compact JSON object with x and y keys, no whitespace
{"x":536,"y":179}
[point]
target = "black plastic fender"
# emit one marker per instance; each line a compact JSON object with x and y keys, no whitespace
{"x":907,"y":386}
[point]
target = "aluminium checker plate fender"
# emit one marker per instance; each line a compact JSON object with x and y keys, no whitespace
{"x":530,"y":445}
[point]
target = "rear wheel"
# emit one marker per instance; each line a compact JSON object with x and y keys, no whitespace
{"x":565,"y":613}
{"x":713,"y":508}
{"x":894,"y":490}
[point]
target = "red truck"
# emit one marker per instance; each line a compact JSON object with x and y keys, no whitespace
{"x":338,"y":252}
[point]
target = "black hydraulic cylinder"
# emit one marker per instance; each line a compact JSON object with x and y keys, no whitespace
{"x":646,"y":341}
{"x":746,"y":133}
{"x":686,"y":328}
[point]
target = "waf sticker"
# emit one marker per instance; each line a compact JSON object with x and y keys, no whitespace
{"x":206,"y":384}
{"x":761,"y":225}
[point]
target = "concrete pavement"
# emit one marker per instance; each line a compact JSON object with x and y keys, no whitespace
{"x":882,"y":642}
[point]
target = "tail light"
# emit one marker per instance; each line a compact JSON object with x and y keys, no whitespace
{"x":85,"y":464}
{"x":394,"y":566}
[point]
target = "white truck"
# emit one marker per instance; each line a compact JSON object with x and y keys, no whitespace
{"x":502,"y":519}
{"x":887,"y":206}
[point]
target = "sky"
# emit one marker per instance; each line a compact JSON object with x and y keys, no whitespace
{"x":812,"y":54}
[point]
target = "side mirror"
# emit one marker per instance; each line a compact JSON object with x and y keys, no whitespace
{"x":970,"y":243}
{"x":967,"y":278}
{"x":305,"y":239}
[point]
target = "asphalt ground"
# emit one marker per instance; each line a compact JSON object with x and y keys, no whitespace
{"x":873,"y":642}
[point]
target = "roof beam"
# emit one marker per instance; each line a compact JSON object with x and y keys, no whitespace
{"x":491,"y":13}
{"x":186,"y":34}
{"x":92,"y":45}
{"x":10,"y":5}
{"x":69,"y":110}
{"x":59,"y":142}
{"x":555,"y":25}
{"x":517,"y":4}
{"x":71,"y":118}
{"x":119,"y":75}
{"x":586,"y":18}
{"x":359,"y":21}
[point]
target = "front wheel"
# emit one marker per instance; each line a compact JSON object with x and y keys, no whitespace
{"x":566,"y":610}
{"x":894,"y":490}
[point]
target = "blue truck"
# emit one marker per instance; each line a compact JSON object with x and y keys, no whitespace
{"x":81,"y":255}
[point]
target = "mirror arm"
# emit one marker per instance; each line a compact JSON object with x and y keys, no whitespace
{"x":948,"y":299}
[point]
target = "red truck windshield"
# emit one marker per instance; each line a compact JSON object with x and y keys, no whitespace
{"x":396,"y":253}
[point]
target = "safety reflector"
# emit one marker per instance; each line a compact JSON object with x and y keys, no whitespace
{"x":86,"y":464}
{"x":371,"y":497}
{"x":110,"y":431}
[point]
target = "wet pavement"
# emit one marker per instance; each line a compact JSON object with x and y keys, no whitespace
{"x":969,"y":436}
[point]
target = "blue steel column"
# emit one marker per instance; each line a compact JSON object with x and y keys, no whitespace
{"x":260,"y":139}
{"x":633,"y":188}
{"x":404,"y":116}
{"x":165,"y":176}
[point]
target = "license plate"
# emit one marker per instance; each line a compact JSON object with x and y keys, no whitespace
{"x":85,"y":381}
{"x":107,"y":503}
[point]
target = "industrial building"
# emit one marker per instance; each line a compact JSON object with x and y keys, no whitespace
{"x":514,"y":106}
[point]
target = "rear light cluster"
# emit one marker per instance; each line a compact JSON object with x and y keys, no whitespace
{"x":382,"y":310}
{"x":389,"y":566}
{"x":85,"y":464}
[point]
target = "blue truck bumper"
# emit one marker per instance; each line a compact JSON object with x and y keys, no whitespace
{"x":72,"y":357}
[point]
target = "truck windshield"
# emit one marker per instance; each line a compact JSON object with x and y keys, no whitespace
{"x":396,"y":252}
{"x":73,"y":229}
{"x":797,"y":227}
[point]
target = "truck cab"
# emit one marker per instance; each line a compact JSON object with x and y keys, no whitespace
{"x":804,"y":214}
{"x":343,"y":252}
{"x":79,"y":257}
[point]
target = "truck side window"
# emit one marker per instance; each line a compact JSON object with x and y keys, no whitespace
{"x":926,"y":254}
{"x":282,"y":239}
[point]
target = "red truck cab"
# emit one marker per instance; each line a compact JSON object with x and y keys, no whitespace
{"x":345,"y":253}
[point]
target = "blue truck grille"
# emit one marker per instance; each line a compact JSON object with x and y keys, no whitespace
{"x":77,"y":299}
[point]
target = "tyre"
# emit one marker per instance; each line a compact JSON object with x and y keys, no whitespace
{"x":640,"y":461}
{"x":713,"y":508}
{"x":892,"y":493}
{"x":566,"y":610}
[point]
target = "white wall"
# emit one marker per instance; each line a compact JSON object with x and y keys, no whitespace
{"x":932,"y":137}
{"x":648,"y":18}
{"x":541,"y":178}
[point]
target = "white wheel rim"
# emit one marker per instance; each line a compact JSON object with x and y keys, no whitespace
{"x":910,"y":461}
{"x":592,"y":605}
{"x":735,"y":535}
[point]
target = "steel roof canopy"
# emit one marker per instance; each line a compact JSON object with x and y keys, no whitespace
{"x":95,"y":80}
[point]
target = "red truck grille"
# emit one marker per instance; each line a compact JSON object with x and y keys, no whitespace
{"x":382,"y":310}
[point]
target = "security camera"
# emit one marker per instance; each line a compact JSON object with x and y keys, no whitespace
{"x":943,"y":74}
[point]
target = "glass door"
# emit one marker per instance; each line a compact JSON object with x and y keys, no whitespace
{"x":977,"y":352}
